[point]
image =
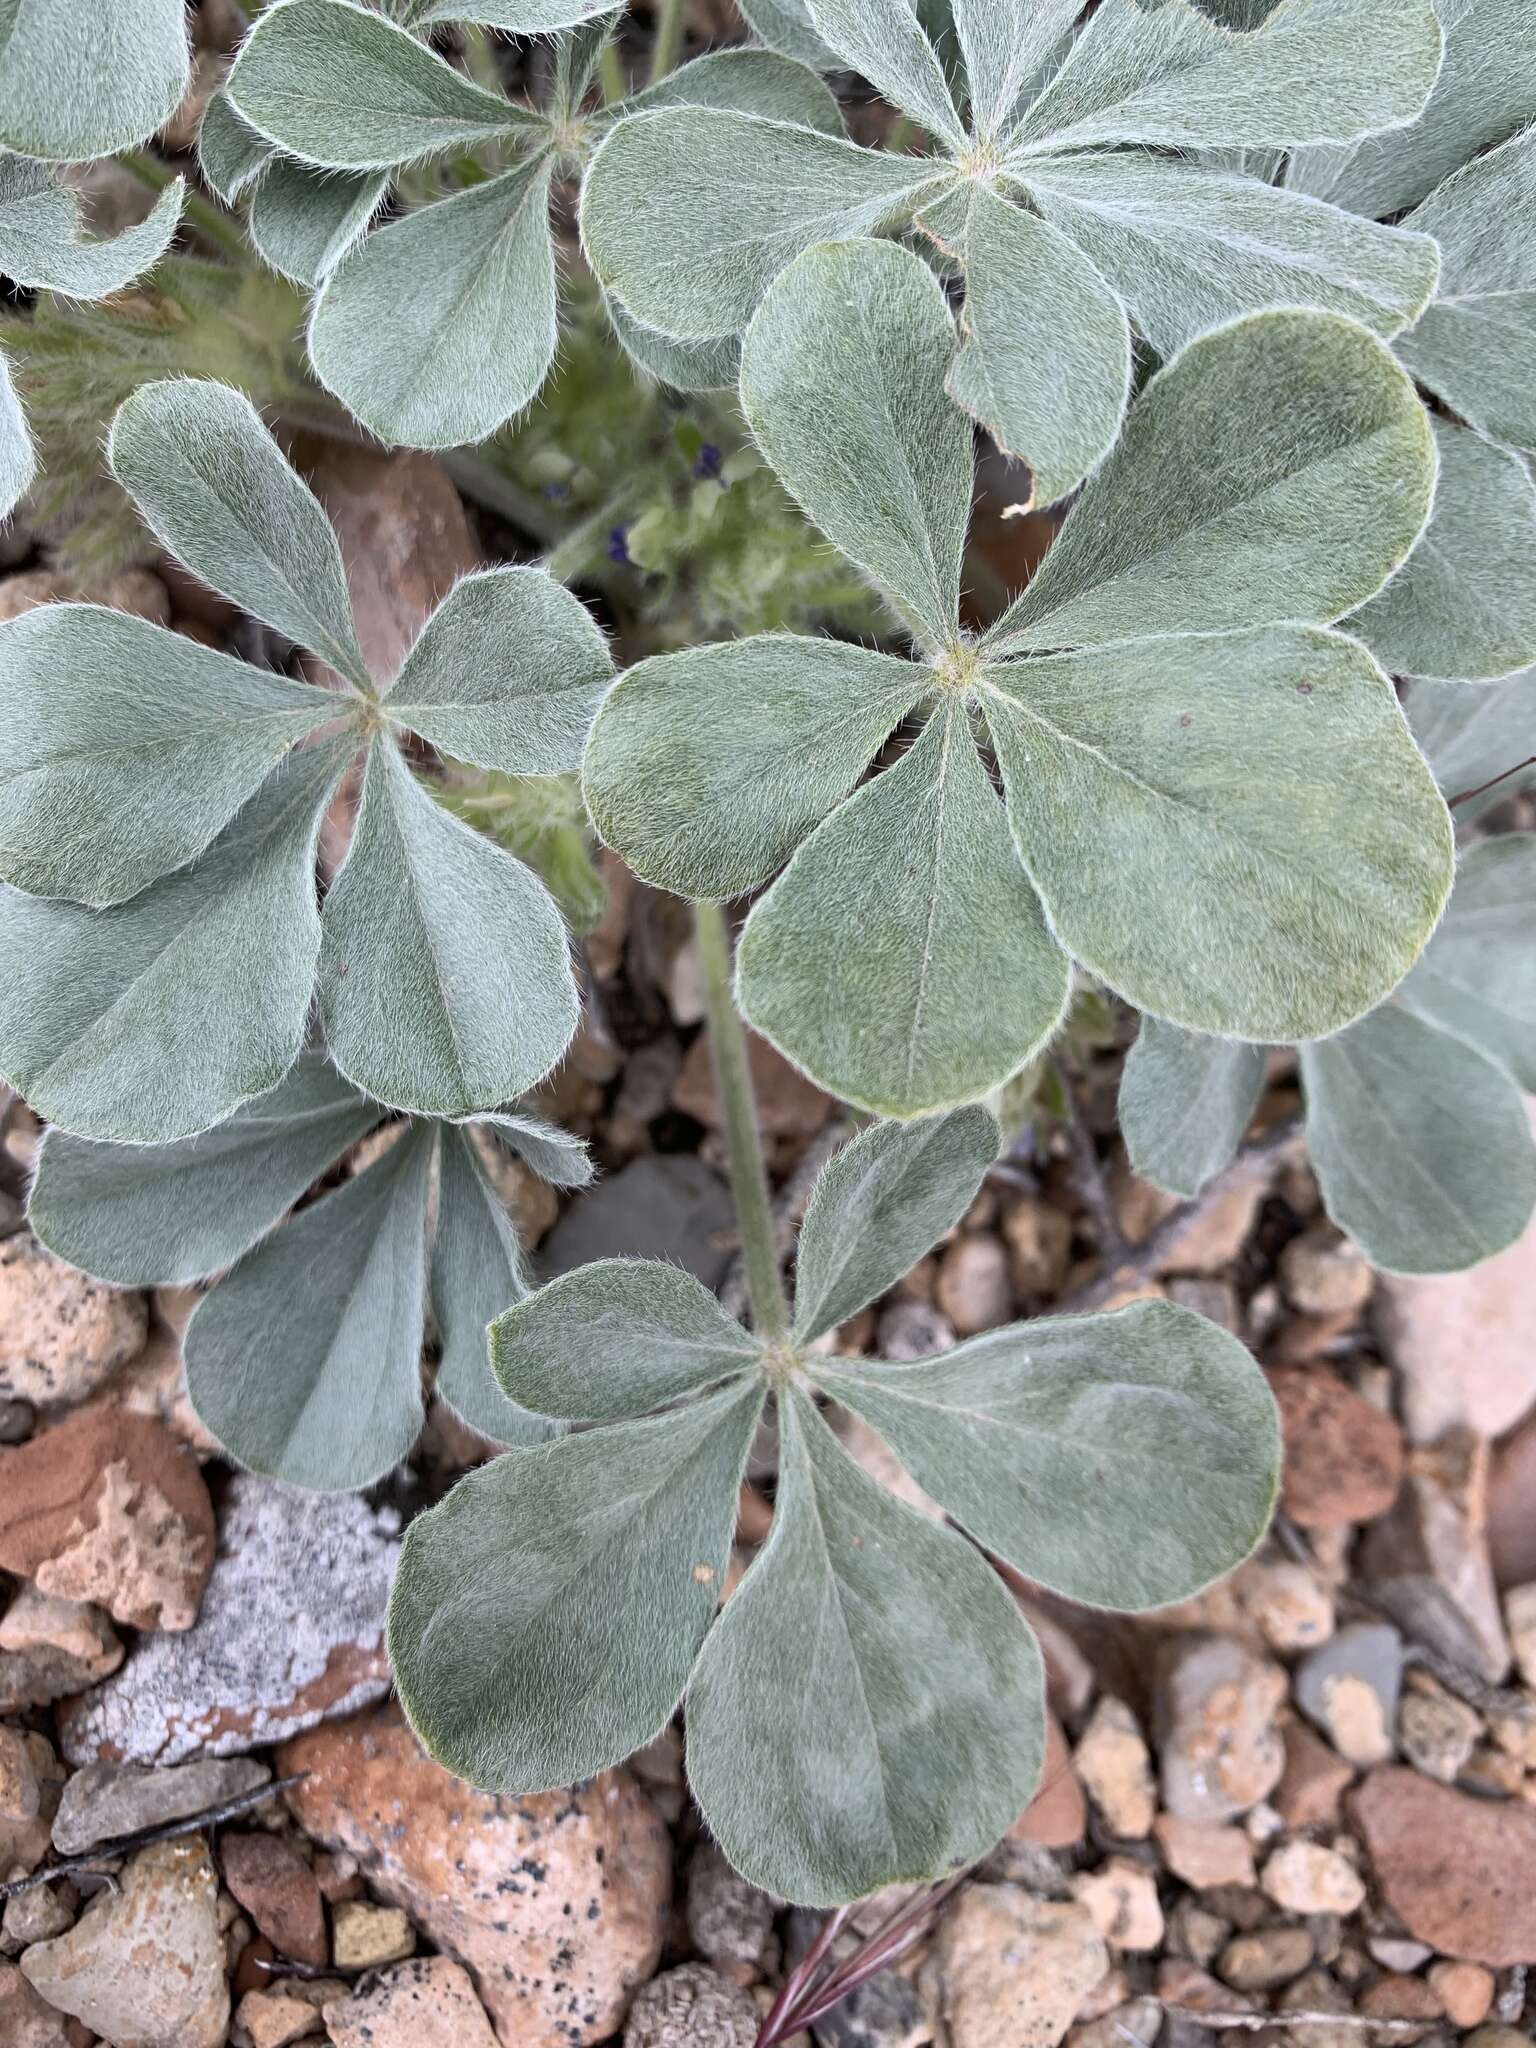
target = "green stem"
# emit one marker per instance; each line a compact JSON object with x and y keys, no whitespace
{"x":668,"y":46}
{"x":199,"y":215}
{"x":611,"y":72}
{"x":738,"y":1116}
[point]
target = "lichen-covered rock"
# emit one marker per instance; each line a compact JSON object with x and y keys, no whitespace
{"x":62,"y":1334}
{"x":1016,"y":1969}
{"x":729,"y":1920}
{"x":694,"y":2007}
{"x":291,"y":1630}
{"x":556,"y":1904}
{"x":428,"y":2003}
{"x":144,"y":1965}
{"x":1221,"y":1750}
{"x":108,"y":1507}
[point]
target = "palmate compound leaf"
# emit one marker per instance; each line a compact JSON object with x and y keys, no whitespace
{"x":554,"y":1155}
{"x":911,"y":1735}
{"x":152,"y":1020}
{"x":442,"y":325}
{"x":1124,"y":1460}
{"x":342,"y":87}
{"x":1005,"y":44}
{"x":231,"y":154}
{"x":83,"y":807}
{"x":40,"y":241}
{"x":1475,"y":348}
{"x":167,"y":1215}
{"x":1463,"y":608}
{"x":445,"y":978}
{"x":477,"y":1269}
{"x":517,"y":17}
{"x":1477,"y":979}
{"x":614,"y":1339}
{"x":546,"y":1616}
{"x":1185,"y":1102}
{"x":78,"y":82}
{"x":328,"y":1396}
{"x":1485,"y":92}
{"x":217,"y":491}
{"x":902,"y":958}
{"x":18,"y":460}
{"x":881,"y":1202}
{"x":886,"y":43}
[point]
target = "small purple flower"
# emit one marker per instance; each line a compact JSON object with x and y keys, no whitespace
{"x":707,"y":463}
{"x":618,"y":550}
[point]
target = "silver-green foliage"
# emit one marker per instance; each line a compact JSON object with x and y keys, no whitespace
{"x":304,"y":1360}
{"x":867,"y":1708}
{"x":1084,"y":185}
{"x":1414,"y":1116}
{"x":1173,"y":719}
{"x":160,"y":806}
{"x":440,"y":325}
{"x":82,"y":81}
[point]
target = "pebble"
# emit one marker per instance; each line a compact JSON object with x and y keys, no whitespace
{"x":1461,"y":1343}
{"x":907,"y":1330}
{"x":1015,"y":1970}
{"x":25,"y":592}
{"x":671,"y":1206}
{"x":1221,"y":1751}
{"x":1204,"y":1853}
{"x":974,"y":1288}
{"x":1139,"y":2020}
{"x":108,"y":1507}
{"x":51,"y":1648}
{"x":106,"y":1801}
{"x":1520,"y":1621}
{"x":428,"y":2003}
{"x":1465,"y":1991}
{"x":1459,"y":1872}
{"x":144,"y":1966}
{"x":1216,"y":1300}
{"x":1512,"y":1508}
{"x":692,"y":2007}
{"x":884,"y":2011}
{"x":1316,"y":1991}
{"x":1427,"y":1562}
{"x":290,"y":1631}
{"x":62,"y":1334}
{"x":1266,"y":1959}
{"x":1323,"y":1273}
{"x":1039,"y":1240}
{"x":1349,"y":1690}
{"x":39,"y":1914}
{"x":364,"y":1936}
{"x":1195,"y":1934}
{"x":25,"y":2020}
{"x":555,"y":1903}
{"x":274,"y":1884}
{"x":1122,"y":1897}
{"x":1400,"y":1955}
{"x":1437,"y":1731}
{"x":729,"y":1920}
{"x":1057,"y":1816}
{"x":30,"y":1779}
{"x":1293,"y":1608}
{"x":271,"y":2019}
{"x":1305,"y":1877}
{"x":1343,"y":1457}
{"x":1115,"y":1766}
{"x":789,"y":1104}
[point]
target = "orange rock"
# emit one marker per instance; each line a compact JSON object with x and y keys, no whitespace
{"x":1459,"y":1872}
{"x":1343,"y":1458}
{"x":1313,"y":1781}
{"x":1058,"y":1814}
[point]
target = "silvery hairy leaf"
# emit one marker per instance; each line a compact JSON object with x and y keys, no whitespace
{"x":881,"y":461}
{"x":340,"y":86}
{"x":885,"y":41}
{"x":708,"y":804}
{"x":546,"y":1615}
{"x":1477,"y":979}
{"x":743,"y":82}
{"x":218,"y":493}
{"x":902,"y":958}
{"x":517,"y":17}
{"x":1055,"y":1444}
{"x":151,"y":1020}
{"x":1005,"y":44}
{"x":1315,"y":71}
{"x":1484,"y":93}
{"x":881,"y":1202}
{"x":41,"y":244}
{"x":445,"y":983}
{"x":1189,"y":246}
{"x":329,"y":1398}
{"x":1475,"y":348}
{"x":554,"y":1155}
{"x":83,"y":808}
{"x":913,"y":1733}
{"x":1474,"y":739}
{"x":231,"y":154}
{"x":303,"y":221}
{"x":441,"y":326}
{"x":79,"y":82}
{"x":507,"y":673}
{"x":18,"y":461}
{"x":686,"y":365}
{"x":1046,"y":361}
{"x":167,"y":1215}
{"x":1463,"y":608}
{"x":1185,"y":1102}
{"x":477,"y":1270}
{"x":614,"y":1339}
{"x":786,"y":26}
